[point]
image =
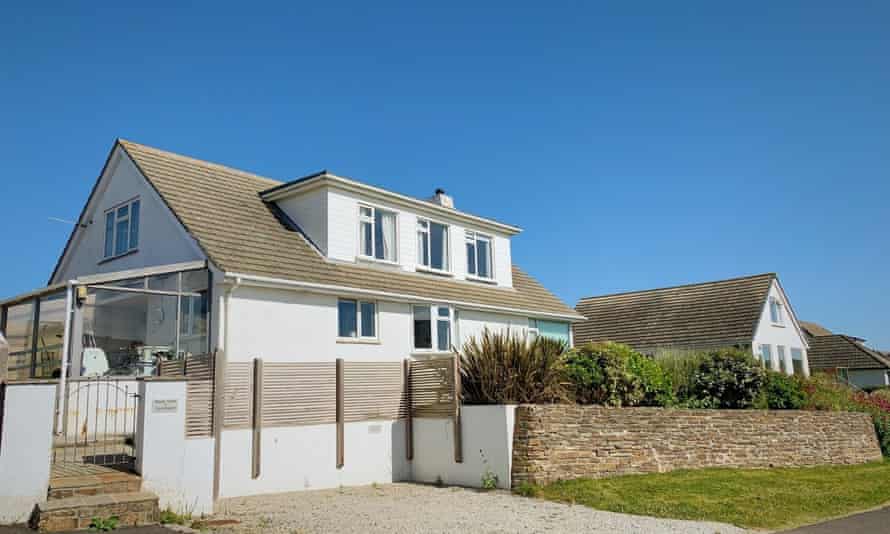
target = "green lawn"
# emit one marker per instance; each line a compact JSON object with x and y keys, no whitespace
{"x":750,"y":498}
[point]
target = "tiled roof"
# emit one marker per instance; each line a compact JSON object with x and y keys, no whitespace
{"x":814,"y":329}
{"x":709,"y":314}
{"x":221,"y":208}
{"x":836,"y":350}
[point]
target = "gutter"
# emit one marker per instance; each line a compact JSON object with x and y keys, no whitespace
{"x":264,"y":281}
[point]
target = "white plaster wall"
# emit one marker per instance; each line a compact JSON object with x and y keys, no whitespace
{"x":310,"y":211}
{"x":487,"y":433}
{"x":162,"y":240}
{"x":25,"y":449}
{"x":866,"y":378}
{"x":473,"y":323}
{"x":178,"y":470}
{"x":304,"y":457}
{"x":787,"y":334}
{"x":343,"y":237}
{"x":282,"y":326}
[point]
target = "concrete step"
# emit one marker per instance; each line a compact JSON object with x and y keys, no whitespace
{"x":93,"y":484}
{"x":77,"y":513}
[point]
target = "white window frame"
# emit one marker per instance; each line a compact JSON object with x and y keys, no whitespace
{"x":362,"y":219}
{"x":780,"y":312}
{"x":533,"y":331}
{"x":434,"y":330}
{"x":769,"y":350}
{"x":358,"y":321}
{"x":113,"y":211}
{"x":472,"y":237}
{"x":780,"y":355}
{"x":446,"y":254}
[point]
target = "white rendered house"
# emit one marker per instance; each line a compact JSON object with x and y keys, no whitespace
{"x":173,"y":257}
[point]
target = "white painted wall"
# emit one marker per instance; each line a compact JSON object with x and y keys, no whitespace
{"x":868,"y":378}
{"x":487,"y":433}
{"x":305,"y":457}
{"x":473,"y":323}
{"x":282,"y":326}
{"x":310,"y":211}
{"x":162,"y":240}
{"x":338,"y":235}
{"x":25,"y":449}
{"x":178,"y":470}
{"x":787,"y":334}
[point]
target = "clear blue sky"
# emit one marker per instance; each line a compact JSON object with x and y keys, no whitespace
{"x":639,"y":145}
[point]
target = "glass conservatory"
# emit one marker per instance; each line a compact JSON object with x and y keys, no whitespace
{"x":118,"y":324}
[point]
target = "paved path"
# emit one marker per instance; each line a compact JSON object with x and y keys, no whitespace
{"x":412,"y":508}
{"x":872,"y":522}
{"x":157,"y":529}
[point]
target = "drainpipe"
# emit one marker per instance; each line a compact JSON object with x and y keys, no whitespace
{"x":66,"y":356}
{"x":218,"y":406}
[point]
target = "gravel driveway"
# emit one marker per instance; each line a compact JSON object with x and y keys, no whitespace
{"x":411,"y":508}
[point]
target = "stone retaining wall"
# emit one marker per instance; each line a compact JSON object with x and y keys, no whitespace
{"x":553,"y":442}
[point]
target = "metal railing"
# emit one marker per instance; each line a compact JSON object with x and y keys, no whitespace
{"x":98,"y":422}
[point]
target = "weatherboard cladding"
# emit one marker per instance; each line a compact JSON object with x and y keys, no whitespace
{"x":703,"y":315}
{"x":240,"y":233}
{"x":833,"y":351}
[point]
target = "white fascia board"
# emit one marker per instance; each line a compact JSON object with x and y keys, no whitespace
{"x":376,"y":193}
{"x":327,"y":289}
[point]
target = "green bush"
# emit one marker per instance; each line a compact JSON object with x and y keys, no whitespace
{"x":505,"y":368}
{"x":680,"y":367}
{"x":781,"y":392}
{"x":727,"y":378}
{"x":615,"y":375}
{"x":824,"y":392}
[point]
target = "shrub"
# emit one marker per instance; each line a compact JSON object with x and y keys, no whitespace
{"x":680,"y":367}
{"x":881,"y":393}
{"x":615,"y":375}
{"x":727,"y":378}
{"x":782,"y":392}
{"x":505,"y":368}
{"x":823,"y":392}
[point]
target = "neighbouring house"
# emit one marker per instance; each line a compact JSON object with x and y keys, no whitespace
{"x":297,"y":289}
{"x":847,"y":357}
{"x":751,"y":312}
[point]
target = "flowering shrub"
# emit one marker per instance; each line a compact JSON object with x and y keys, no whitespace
{"x":824,"y":393}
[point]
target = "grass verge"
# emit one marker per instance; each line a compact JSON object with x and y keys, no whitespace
{"x":749,"y":498}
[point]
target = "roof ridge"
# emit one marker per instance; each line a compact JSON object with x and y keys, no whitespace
{"x":197,"y":161}
{"x":680,"y":286}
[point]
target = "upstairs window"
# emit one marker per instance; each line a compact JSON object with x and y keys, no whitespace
{"x":377,"y":233}
{"x":478,"y":255}
{"x":122,"y":229}
{"x":432,"y":328}
{"x":432,"y":245}
{"x":776,"y":313}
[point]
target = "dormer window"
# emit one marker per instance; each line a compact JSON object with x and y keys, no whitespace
{"x":432,"y":245}
{"x":478,"y":255}
{"x":776,"y":312}
{"x":122,"y":229}
{"x":377,"y":234}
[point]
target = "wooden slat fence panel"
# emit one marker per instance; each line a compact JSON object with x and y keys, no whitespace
{"x":238,"y":395}
{"x":374,"y":390}
{"x":432,"y":388}
{"x":198,"y":371}
{"x":298,"y":393}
